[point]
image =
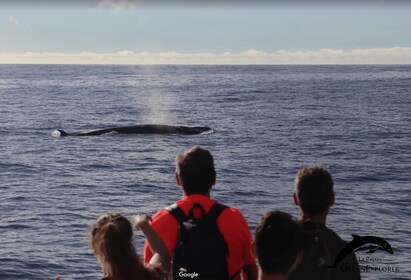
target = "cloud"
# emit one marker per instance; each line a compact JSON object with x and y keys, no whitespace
{"x":13,"y":20}
{"x":119,"y":4}
{"x":394,"y":55}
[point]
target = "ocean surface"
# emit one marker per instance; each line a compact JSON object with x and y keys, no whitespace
{"x":268,"y":122}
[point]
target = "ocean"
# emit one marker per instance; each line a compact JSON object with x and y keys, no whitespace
{"x":268,"y":122}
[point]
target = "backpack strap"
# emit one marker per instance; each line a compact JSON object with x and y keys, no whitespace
{"x":215,"y":211}
{"x":177,"y":213}
{"x":197,"y":212}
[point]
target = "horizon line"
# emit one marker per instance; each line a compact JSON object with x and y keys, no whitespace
{"x":327,"y":56}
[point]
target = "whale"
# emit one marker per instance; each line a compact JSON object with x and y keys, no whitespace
{"x":358,"y":242}
{"x":138,"y":129}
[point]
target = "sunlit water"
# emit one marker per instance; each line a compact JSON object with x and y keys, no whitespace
{"x":268,"y":121}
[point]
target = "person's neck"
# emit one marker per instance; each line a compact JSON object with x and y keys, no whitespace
{"x":319,"y":218}
{"x":207,"y":194}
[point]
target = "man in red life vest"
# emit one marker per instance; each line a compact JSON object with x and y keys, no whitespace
{"x":196,"y":175}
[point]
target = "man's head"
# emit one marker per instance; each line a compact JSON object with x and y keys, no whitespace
{"x":195,"y":171}
{"x":313,"y":190}
{"x":278,"y":243}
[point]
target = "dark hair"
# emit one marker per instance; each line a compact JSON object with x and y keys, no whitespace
{"x":111,"y":241}
{"x":278,"y":240}
{"x":195,"y":168}
{"x":314,"y":188}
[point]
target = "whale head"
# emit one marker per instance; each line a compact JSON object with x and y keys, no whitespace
{"x":59,"y":133}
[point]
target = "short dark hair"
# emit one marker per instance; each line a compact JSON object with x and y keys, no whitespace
{"x":195,"y":168}
{"x":278,"y":240}
{"x":314,"y":188}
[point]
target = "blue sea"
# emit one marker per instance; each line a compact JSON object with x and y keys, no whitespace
{"x":268,"y":122}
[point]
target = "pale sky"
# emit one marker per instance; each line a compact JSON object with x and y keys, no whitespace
{"x":180,"y":32}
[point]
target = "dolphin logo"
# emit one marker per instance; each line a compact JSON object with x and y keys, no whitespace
{"x":370,"y":249}
{"x":357,"y":244}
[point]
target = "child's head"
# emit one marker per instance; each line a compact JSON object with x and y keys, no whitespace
{"x":278,"y":243}
{"x":111,"y":239}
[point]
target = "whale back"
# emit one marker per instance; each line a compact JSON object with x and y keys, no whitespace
{"x":195,"y":129}
{"x":140,"y":129}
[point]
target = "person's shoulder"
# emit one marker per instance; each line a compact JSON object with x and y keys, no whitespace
{"x":161,"y":213}
{"x":335,"y":242}
{"x":233,"y":215}
{"x":161,"y":216}
{"x":229,"y":209}
{"x":333,"y":236}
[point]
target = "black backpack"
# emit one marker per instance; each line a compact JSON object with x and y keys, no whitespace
{"x":201,"y":251}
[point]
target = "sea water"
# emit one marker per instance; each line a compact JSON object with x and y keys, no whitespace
{"x":268,"y":122}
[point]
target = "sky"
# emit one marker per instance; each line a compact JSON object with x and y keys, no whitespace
{"x":205,"y":32}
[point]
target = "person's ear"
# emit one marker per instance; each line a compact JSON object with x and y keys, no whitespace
{"x":295,"y":198}
{"x":214,"y":180}
{"x":332,"y":200}
{"x":178,"y":180}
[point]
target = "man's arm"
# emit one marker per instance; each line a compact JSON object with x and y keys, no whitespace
{"x":242,"y":230}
